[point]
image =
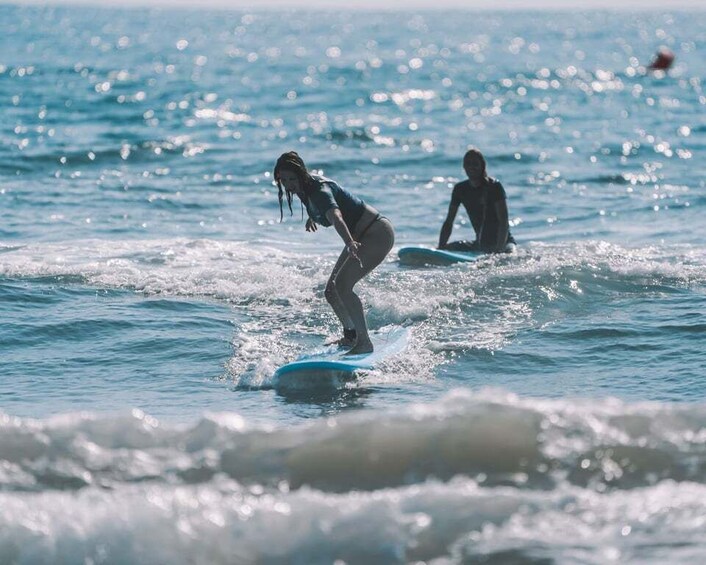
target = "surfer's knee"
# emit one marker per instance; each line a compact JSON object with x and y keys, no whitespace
{"x":330,"y":292}
{"x":347,"y":278}
{"x":344,"y":293}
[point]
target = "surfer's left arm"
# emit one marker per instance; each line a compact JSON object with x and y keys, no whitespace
{"x":334,"y":216}
{"x":503,"y":225}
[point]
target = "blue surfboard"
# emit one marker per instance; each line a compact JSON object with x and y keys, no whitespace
{"x":332,"y":367}
{"x":417,"y":255}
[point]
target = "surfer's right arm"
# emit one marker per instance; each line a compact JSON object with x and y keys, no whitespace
{"x":448,"y":224}
{"x":334,"y":216}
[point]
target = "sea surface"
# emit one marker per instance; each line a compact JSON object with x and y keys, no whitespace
{"x":551,"y":406}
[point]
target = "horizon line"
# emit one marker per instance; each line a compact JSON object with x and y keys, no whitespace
{"x":378,"y":6}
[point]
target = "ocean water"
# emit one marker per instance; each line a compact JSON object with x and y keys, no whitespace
{"x":550,"y":408}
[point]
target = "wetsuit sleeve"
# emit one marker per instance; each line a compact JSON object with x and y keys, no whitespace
{"x":447,"y":226}
{"x":456,"y":195}
{"x":323,"y":200}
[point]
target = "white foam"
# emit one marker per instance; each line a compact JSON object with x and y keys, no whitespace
{"x":231,"y":271}
{"x":588,"y":442}
{"x":277,"y":288}
{"x":225,"y":523}
{"x":474,"y":473}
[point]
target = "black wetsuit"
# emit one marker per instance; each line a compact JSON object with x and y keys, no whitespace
{"x":480,"y":206}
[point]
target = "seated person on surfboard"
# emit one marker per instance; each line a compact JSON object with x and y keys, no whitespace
{"x":484,"y":200}
{"x":368,"y":237}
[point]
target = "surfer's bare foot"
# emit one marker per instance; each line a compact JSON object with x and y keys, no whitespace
{"x":341,"y":342}
{"x":348,"y":339}
{"x":361,"y":347}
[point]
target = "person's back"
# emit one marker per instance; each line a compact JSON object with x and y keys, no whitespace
{"x":328,"y":194}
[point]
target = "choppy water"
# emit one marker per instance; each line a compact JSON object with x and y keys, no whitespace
{"x":551,"y":407}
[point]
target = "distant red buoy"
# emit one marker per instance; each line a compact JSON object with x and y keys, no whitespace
{"x":663,"y":60}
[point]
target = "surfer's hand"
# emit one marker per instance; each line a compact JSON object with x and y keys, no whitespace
{"x":353,"y":247}
{"x":310,"y":225}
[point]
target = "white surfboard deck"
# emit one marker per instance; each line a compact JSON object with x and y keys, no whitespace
{"x":332,"y":367}
{"x":418,"y":255}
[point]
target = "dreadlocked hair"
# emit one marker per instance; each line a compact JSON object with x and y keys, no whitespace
{"x":293,"y":162}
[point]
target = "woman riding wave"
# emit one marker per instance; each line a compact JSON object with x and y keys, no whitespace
{"x":368,"y":237}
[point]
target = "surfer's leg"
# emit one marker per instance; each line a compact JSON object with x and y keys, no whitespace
{"x":462,"y":245}
{"x":332,"y":297}
{"x":375,"y":245}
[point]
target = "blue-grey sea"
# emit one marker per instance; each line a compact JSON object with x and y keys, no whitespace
{"x":551,"y":405}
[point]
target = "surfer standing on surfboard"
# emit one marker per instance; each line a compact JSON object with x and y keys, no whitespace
{"x":485,"y":202}
{"x":368,"y":237}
